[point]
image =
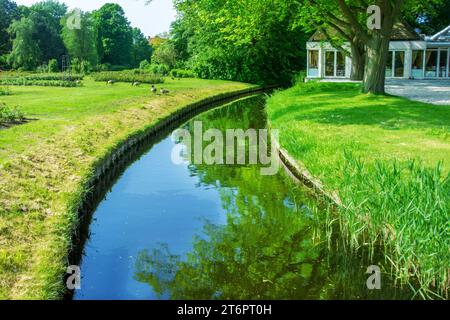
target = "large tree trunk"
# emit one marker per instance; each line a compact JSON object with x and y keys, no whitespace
{"x":358,"y":61}
{"x":375,"y":69}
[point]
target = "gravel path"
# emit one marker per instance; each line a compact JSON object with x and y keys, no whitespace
{"x":430,"y":91}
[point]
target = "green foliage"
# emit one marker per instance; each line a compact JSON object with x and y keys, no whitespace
{"x":128,"y":76}
{"x":25,"y":52}
{"x":43,"y":68}
{"x":181,"y":73}
{"x":5,"y":91}
{"x":161,"y":69}
{"x":8,"y":13}
{"x":144,"y":64}
{"x":141,"y":49}
{"x":249,"y":41}
{"x":428,"y":16}
{"x":396,"y":204}
{"x":299,"y":77}
{"x":46,"y":16}
{"x":42,"y":83}
{"x":10,"y":115}
{"x":81,"y":43}
{"x":53,"y":66}
{"x":361,"y":147}
{"x":165,"y":54}
{"x":114,"y":35}
{"x":43,"y":79}
{"x":81,"y":67}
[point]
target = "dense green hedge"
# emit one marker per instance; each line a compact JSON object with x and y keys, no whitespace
{"x":55,"y":76}
{"x":128,"y":76}
{"x":182,"y":73}
{"x":42,"y":79}
{"x":43,"y":83}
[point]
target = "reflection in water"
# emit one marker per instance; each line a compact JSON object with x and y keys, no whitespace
{"x":216,"y":232}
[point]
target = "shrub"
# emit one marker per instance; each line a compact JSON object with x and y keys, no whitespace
{"x":299,"y":77}
{"x":55,"y":77}
{"x":4,"y":65}
{"x":5,"y":91}
{"x":161,"y":69}
{"x":43,"y":83}
{"x":43,"y":79}
{"x":182,"y":73}
{"x":128,"y":76}
{"x":144,"y":65}
{"x":8,"y":115}
{"x":53,"y":65}
{"x":42,"y":68}
{"x":103,"y":67}
{"x":85,"y":67}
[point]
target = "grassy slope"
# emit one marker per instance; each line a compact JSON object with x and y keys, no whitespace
{"x":317,"y":124}
{"x":44,"y":163}
{"x":407,"y":206}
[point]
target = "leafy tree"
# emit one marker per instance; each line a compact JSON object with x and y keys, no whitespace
{"x":115,"y":36}
{"x":46,"y":16}
{"x":81,"y":43}
{"x":429,"y":18}
{"x":181,"y":33}
{"x":243,"y":40}
{"x":156,"y":41}
{"x":25,"y":52}
{"x":165,"y":54}
{"x":141,"y":48}
{"x":8,"y":13}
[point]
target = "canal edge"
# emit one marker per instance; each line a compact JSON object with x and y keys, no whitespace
{"x":299,"y":173}
{"x":118,"y":154}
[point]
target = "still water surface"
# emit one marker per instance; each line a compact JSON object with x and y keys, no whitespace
{"x":167,"y":231}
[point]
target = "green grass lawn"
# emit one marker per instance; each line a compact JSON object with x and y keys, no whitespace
{"x":388,"y":159}
{"x":45,"y":163}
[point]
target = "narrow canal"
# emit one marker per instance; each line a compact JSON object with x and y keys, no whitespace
{"x":168,"y":231}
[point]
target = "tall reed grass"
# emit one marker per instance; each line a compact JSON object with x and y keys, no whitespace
{"x":403,"y":207}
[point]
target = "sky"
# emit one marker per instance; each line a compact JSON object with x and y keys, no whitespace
{"x":152,"y":19}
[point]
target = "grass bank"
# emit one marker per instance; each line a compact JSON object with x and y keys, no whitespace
{"x":388,"y":159}
{"x":45,"y":163}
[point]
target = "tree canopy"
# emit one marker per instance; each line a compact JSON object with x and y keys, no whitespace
{"x":247,"y":40}
{"x":8,"y":12}
{"x":81,"y":43}
{"x":115,"y":35}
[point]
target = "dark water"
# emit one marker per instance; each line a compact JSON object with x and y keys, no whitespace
{"x":167,"y":231}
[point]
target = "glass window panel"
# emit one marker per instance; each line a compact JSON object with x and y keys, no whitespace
{"x":389,"y":65}
{"x":340,"y":67}
{"x":431,"y":63}
{"x":399,"y":64}
{"x":417,"y":64}
{"x":329,"y":64}
{"x":313,"y":63}
{"x":443,"y":64}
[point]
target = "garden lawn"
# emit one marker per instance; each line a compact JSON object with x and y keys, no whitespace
{"x":388,"y":159}
{"x":45,"y":163}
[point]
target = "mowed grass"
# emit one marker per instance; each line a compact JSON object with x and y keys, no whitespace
{"x":45,"y":163}
{"x":388,"y":159}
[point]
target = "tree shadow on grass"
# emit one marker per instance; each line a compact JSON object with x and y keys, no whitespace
{"x":388,"y":113}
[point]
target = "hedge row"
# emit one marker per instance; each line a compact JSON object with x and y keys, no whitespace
{"x":128,"y":76}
